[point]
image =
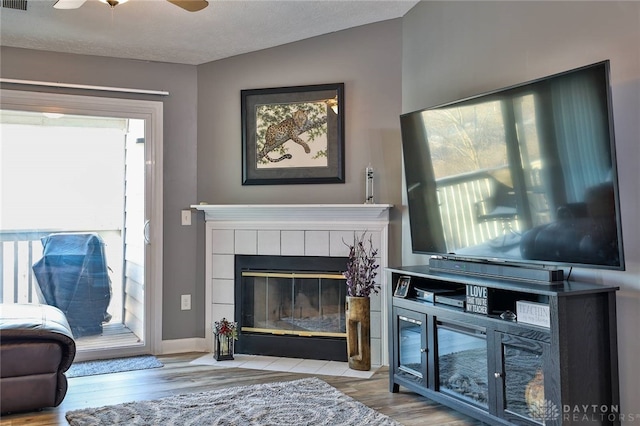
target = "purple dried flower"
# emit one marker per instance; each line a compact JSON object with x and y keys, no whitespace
{"x":362,"y":268}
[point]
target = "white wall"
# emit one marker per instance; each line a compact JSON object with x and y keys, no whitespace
{"x":458,"y":49}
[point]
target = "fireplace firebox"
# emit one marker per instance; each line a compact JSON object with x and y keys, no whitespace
{"x":291,"y":306}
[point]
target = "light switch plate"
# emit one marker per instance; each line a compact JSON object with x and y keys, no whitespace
{"x":185,"y":302}
{"x":186,"y":217}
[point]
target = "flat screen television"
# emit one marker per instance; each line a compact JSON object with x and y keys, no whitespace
{"x":524,"y":175}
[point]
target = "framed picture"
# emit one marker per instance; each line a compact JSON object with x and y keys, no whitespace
{"x":402,"y":289}
{"x":293,"y":135}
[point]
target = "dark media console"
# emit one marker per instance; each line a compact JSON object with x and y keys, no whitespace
{"x":495,"y":270}
{"x":505,"y":350}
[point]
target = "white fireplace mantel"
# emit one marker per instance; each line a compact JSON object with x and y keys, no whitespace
{"x":289,"y":230}
{"x":295,"y":212}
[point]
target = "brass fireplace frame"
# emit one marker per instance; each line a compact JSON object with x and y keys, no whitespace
{"x":293,"y":275}
{"x":257,"y":337}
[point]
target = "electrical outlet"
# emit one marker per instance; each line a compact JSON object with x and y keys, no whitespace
{"x":186,"y":217}
{"x":185,"y":302}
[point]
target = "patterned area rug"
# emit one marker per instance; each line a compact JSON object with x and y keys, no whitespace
{"x":295,"y":403}
{"x":91,"y":368}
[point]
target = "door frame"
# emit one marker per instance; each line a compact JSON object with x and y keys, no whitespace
{"x":152,"y":113}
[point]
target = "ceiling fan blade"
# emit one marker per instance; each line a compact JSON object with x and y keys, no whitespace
{"x":68,"y":4}
{"x":190,"y":5}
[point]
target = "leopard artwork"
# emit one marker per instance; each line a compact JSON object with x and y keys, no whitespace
{"x":278,"y":134}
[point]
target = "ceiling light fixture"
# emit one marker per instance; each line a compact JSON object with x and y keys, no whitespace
{"x":188,"y":5}
{"x":113,"y":3}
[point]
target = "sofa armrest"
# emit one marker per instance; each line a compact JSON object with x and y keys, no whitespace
{"x":33,"y":323}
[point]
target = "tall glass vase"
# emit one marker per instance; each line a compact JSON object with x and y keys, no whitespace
{"x":358,"y":333}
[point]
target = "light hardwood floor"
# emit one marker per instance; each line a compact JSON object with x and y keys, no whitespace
{"x":178,"y":376}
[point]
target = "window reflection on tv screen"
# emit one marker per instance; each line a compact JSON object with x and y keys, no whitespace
{"x":523,"y":174}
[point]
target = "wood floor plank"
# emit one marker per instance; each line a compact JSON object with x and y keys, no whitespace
{"x":178,"y":376}
{"x":114,"y":335}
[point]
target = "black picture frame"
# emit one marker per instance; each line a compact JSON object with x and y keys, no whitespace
{"x":402,"y":289}
{"x":312,"y":114}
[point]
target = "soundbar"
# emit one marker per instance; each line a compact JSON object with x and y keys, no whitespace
{"x":495,"y":270}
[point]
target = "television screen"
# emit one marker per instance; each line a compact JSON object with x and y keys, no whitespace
{"x":526,"y":174}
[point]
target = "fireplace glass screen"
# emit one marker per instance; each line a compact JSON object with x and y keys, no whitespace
{"x":293,"y":303}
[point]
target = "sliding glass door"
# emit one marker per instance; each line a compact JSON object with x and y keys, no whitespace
{"x":80,"y":186}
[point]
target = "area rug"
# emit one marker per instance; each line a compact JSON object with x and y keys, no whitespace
{"x":304,"y":402}
{"x":91,"y":368}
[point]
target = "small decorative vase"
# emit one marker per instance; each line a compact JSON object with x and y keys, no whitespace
{"x":223,"y":347}
{"x":358,"y":333}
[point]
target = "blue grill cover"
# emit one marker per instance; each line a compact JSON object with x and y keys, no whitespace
{"x":72,"y":276}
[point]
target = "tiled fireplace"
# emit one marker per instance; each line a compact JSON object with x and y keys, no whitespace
{"x":291,"y":231}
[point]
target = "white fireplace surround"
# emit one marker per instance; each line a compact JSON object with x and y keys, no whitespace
{"x":290,"y":230}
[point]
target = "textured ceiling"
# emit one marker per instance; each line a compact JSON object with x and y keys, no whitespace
{"x":156,"y":30}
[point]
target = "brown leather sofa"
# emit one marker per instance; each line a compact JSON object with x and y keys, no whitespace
{"x":36,"y":348}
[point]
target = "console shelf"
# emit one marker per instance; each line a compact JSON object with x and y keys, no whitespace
{"x":453,"y":339}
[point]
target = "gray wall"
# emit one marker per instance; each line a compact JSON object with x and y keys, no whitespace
{"x":458,"y":49}
{"x":180,"y":268}
{"x":366,"y":59}
{"x":202,"y":150}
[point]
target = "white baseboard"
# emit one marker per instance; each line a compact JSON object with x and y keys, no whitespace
{"x":177,"y":346}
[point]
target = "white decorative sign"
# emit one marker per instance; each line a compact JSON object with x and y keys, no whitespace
{"x":533,"y":313}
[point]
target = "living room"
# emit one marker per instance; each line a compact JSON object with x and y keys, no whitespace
{"x":437,"y":52}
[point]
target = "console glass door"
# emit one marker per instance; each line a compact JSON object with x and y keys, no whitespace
{"x":524,"y":380}
{"x":462,"y":362}
{"x":411,"y":346}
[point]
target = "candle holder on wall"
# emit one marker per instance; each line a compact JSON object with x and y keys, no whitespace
{"x":368,"y":189}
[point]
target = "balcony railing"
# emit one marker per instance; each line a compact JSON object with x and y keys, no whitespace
{"x":457,"y":199}
{"x":19,"y":250}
